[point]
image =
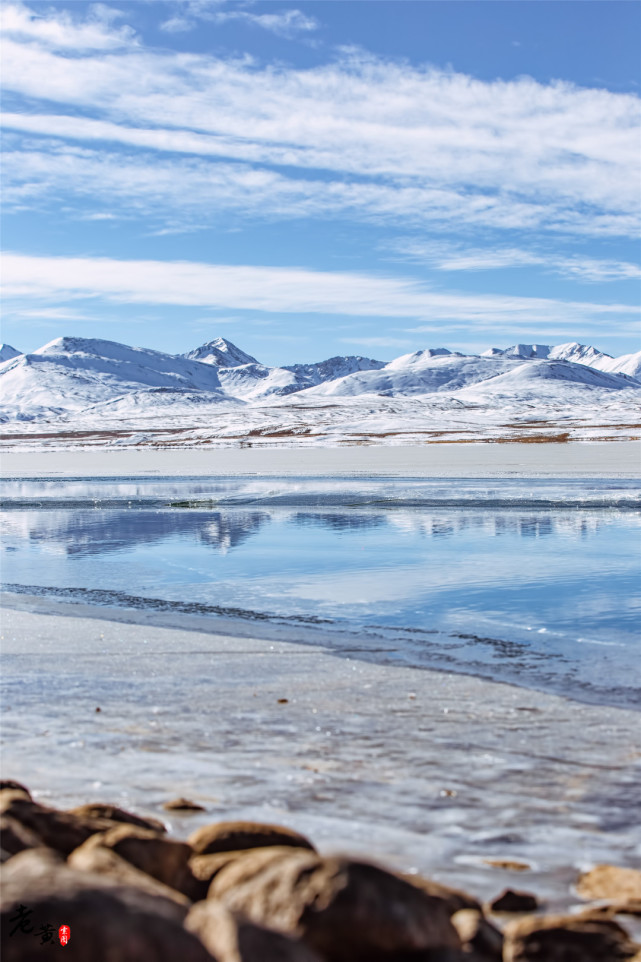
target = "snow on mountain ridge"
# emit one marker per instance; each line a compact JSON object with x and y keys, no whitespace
{"x":419,"y":357}
{"x":70,"y":374}
{"x":578,"y":354}
{"x":79,"y":378}
{"x":629,"y":364}
{"x":417,"y":375}
{"x":519,"y":350}
{"x":221,"y":353}
{"x":7,"y":353}
{"x":334,"y":367}
{"x":526,"y":378}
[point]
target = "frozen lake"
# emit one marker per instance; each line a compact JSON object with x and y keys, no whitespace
{"x":529,"y":581}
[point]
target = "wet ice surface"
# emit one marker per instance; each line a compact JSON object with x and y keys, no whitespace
{"x":422,"y":770}
{"x":529,"y":581}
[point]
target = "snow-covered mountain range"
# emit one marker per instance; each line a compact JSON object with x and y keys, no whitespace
{"x":218,"y":392}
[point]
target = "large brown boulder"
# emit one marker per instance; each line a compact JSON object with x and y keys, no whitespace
{"x":567,"y":939}
{"x":59,"y":830}
{"x":109,"y":922}
{"x":205,"y":867}
{"x":478,"y":935}
{"x":15,"y":837}
{"x":164,"y":859}
{"x":232,"y":836}
{"x":456,"y":899}
{"x":347,"y":911}
{"x":115,"y":814}
{"x":8,"y":785}
{"x":105,"y":861}
{"x":233,"y":939}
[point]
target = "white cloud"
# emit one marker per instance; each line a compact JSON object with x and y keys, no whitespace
{"x":283,"y":23}
{"x":177,"y":25}
{"x":291,"y":290}
{"x":194,"y":191}
{"x":515,"y":154}
{"x":52,"y":314}
{"x":59,"y":30}
{"x":452,"y":257}
{"x":592,"y":269}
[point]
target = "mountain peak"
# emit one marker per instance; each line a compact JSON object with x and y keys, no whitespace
{"x":221,"y":353}
{"x":7,"y":352}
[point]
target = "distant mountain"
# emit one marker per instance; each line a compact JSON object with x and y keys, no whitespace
{"x":629,"y":364}
{"x":242,"y":376}
{"x":71,"y":374}
{"x":519,"y":350}
{"x":334,"y":368}
{"x":423,"y":372}
{"x":7,"y":352}
{"x":93,"y":382}
{"x":585,"y":354}
{"x":221,"y":353}
{"x":578,"y":354}
{"x":539,"y":377}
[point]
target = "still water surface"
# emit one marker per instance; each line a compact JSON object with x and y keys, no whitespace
{"x":531,"y":582}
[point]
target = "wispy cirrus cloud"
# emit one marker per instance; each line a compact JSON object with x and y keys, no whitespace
{"x":292,"y":290}
{"x":283,"y":23}
{"x":507,"y":154}
{"x":59,"y":30}
{"x":453,"y":257}
{"x":52,"y":314}
{"x":190,"y":191}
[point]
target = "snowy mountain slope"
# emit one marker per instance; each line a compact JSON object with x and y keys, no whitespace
{"x":585,"y":354}
{"x":70,"y":374}
{"x":221,"y":353}
{"x":419,"y":373}
{"x":578,"y":354}
{"x":419,"y":357}
{"x":7,"y":352}
{"x":519,"y":350}
{"x":244,"y":377}
{"x":254,"y":381}
{"x":629,"y":364}
{"x":75,"y":385}
{"x":538,"y":378}
{"x":334,"y":368}
{"x":161,"y":400}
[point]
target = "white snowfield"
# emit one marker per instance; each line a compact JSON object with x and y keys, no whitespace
{"x":90,"y":392}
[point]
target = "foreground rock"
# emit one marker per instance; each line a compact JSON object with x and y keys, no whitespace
{"x":105,"y":861}
{"x":262,"y":894}
{"x":233,"y":836}
{"x":108,"y":921}
{"x":234,"y":939}
{"x":567,"y":939}
{"x":347,"y":911}
{"x":479,"y":937}
{"x":58,"y":830}
{"x":164,"y":859}
{"x":619,"y":885}
{"x":114,"y":814}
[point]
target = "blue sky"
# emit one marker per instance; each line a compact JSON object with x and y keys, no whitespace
{"x":311,"y":179}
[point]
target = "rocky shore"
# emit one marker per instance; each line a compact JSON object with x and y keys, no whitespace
{"x":108,"y":885}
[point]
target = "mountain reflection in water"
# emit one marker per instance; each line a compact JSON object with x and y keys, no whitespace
{"x":97,"y":531}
